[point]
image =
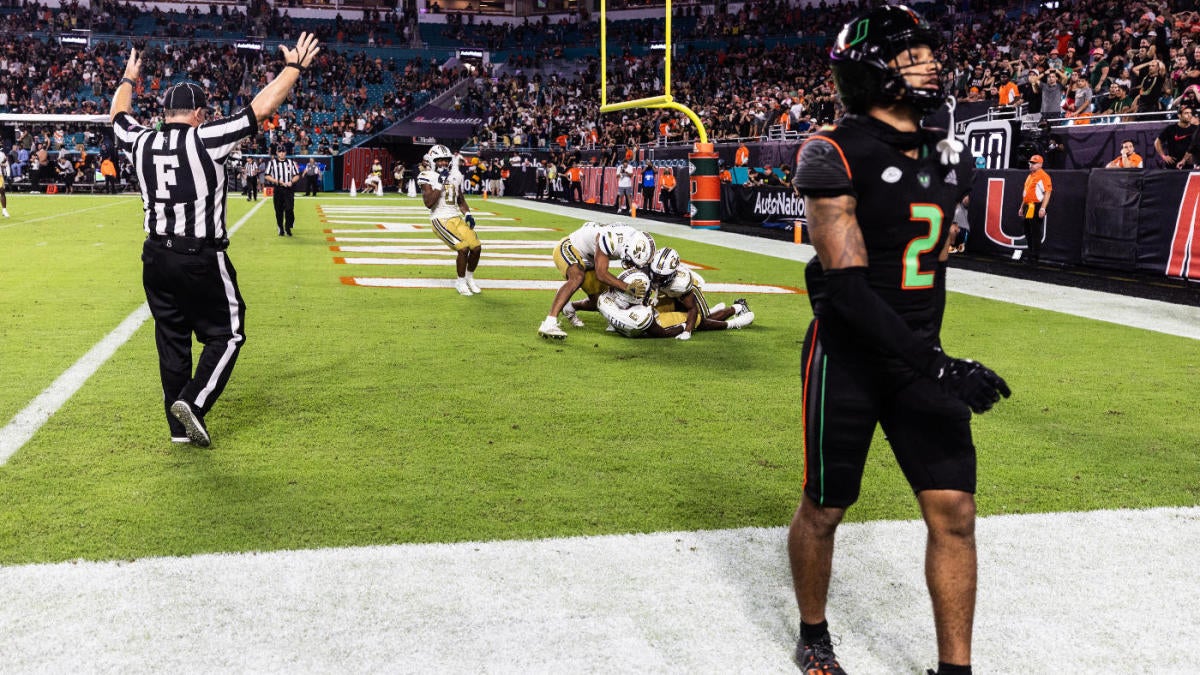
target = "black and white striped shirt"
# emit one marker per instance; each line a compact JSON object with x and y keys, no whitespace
{"x":283,"y":172}
{"x":181,"y":171}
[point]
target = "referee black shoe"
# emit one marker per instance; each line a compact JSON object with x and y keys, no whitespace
{"x":196,"y":432}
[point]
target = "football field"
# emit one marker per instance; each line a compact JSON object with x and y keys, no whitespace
{"x":406,"y":480}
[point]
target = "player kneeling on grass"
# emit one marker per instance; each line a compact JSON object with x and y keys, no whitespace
{"x":441,"y":188}
{"x":679,"y":296}
{"x":629,"y":312}
{"x":583,"y":258}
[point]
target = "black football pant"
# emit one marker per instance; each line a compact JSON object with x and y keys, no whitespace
{"x":1033,"y":228}
{"x":310,"y":186}
{"x":284,"y":201}
{"x":190,"y":290}
{"x":251,"y":191}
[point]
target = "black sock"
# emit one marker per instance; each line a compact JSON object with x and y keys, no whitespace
{"x":811,"y":632}
{"x":952,"y":669}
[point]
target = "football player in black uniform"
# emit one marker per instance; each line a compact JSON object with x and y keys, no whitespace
{"x":879,"y":194}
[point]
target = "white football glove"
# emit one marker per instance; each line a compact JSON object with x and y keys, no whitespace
{"x":685,"y":335}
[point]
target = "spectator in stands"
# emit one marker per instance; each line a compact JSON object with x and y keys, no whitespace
{"x":1128,"y":159}
{"x":1050,"y":87}
{"x":1150,"y":90}
{"x":1119,"y":101}
{"x":1008,"y":93}
{"x":1173,"y":141}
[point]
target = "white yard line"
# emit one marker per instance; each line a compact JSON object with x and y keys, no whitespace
{"x":11,"y":222}
{"x":1057,"y":593}
{"x":26,"y":423}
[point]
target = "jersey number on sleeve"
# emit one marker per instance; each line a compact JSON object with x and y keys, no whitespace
{"x":914,"y":277}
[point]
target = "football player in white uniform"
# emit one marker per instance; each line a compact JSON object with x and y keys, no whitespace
{"x":441,"y":188}
{"x":583,"y":258}
{"x":679,"y":298}
{"x":4,"y":173}
{"x":374,"y":179}
{"x":629,"y":312}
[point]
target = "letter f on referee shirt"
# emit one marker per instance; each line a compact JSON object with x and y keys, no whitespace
{"x":164,"y":169}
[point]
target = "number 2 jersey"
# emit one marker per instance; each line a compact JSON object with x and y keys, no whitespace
{"x":904,"y":208}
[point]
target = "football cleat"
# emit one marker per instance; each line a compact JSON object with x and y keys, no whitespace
{"x":462,"y":288}
{"x":740,"y":306}
{"x":569,"y":312}
{"x":738,"y":321}
{"x":550,"y":329}
{"x":473,"y":287}
{"x":196,"y":432}
{"x":818,"y":658}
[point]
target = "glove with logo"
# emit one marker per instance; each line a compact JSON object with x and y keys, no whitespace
{"x":637,"y":288}
{"x":971,"y":382}
{"x":470,"y":220}
{"x":444,"y":174}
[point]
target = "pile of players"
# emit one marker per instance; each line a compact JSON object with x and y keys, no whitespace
{"x":654,"y":296}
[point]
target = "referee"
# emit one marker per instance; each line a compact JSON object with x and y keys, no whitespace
{"x":282,"y":173}
{"x":191,"y":286}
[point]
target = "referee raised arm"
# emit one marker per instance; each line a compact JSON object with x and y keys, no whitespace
{"x":283,"y":174}
{"x":190,"y":283}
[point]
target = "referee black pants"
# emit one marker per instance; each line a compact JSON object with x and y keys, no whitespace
{"x":284,"y":201}
{"x":193,"y":290}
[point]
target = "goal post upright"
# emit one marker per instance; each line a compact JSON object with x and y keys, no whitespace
{"x":705,"y":192}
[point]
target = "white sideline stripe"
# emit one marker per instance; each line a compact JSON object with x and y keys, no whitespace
{"x":544,"y":285}
{"x":26,"y":423}
{"x":1056,"y":593}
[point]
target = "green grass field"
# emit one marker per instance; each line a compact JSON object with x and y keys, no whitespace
{"x":361,"y":416}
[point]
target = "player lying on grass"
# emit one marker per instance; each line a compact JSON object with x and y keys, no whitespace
{"x":679,"y":295}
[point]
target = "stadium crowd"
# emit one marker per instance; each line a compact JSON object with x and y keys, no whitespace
{"x":1088,"y":61}
{"x":746,"y":73}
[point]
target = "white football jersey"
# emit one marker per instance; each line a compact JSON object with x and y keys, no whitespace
{"x":682,"y":282}
{"x":447,"y":206}
{"x":3,"y":164}
{"x":630,"y":316}
{"x":608,"y":239}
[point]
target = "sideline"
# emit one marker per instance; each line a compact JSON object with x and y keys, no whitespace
{"x":26,"y":423}
{"x":1056,"y":592}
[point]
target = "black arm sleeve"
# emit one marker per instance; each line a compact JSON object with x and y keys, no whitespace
{"x":856,"y":303}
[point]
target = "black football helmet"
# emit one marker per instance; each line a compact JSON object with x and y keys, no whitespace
{"x":861,"y":53}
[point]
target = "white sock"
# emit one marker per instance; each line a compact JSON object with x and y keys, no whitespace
{"x":553,"y":319}
{"x":470,"y":276}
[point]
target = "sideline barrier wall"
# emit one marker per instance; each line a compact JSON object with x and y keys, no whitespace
{"x":1129,"y":220}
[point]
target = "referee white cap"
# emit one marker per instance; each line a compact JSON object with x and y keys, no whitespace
{"x":184,"y":96}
